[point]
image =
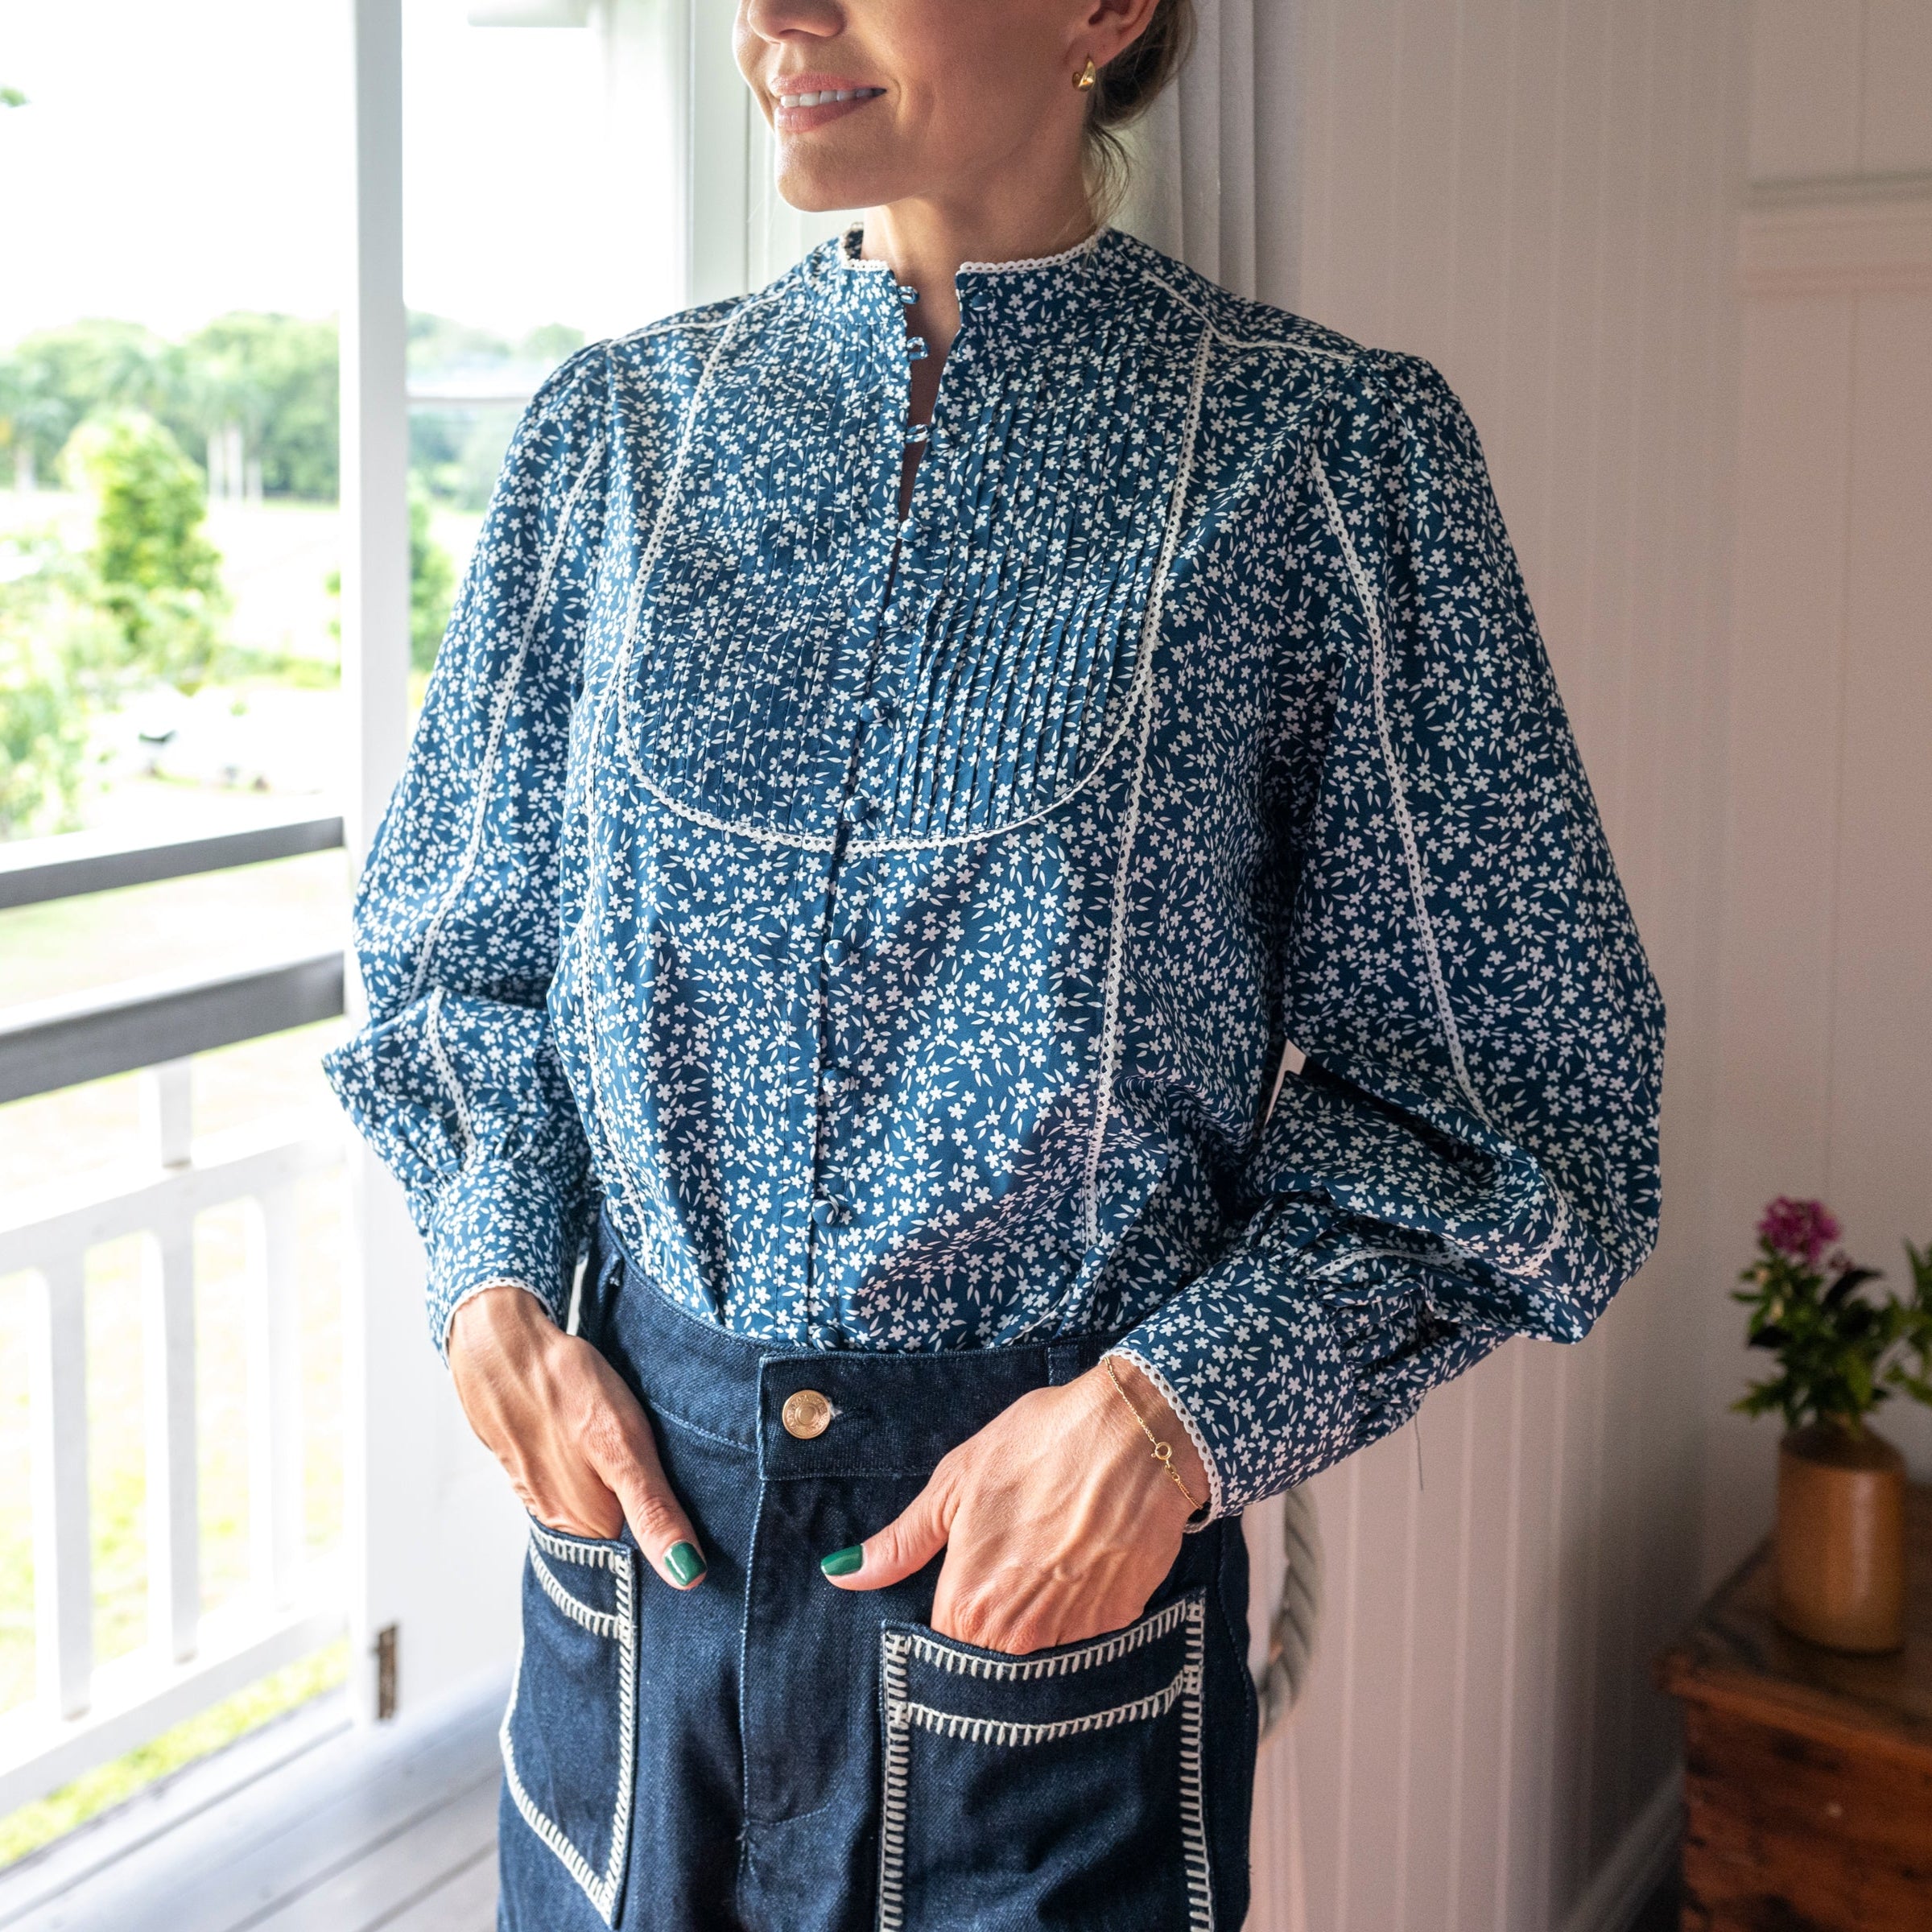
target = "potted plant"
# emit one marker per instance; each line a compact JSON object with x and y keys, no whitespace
{"x":1842,"y":1351}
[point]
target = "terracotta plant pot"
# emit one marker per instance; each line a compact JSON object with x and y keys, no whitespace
{"x":1841,"y":1539}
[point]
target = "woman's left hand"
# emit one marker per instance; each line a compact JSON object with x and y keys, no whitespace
{"x":1057,"y":1522}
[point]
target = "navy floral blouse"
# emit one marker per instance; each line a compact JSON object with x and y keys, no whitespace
{"x":911,"y":931}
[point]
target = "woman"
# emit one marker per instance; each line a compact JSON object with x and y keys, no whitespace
{"x":867,"y":846}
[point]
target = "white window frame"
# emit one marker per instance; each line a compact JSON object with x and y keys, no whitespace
{"x":431,"y":1533}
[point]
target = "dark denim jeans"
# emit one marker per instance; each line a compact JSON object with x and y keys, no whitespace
{"x":770,"y":1754}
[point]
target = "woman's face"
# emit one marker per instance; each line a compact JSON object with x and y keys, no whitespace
{"x":948,"y":98}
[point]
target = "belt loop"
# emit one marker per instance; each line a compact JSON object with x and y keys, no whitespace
{"x":1063,"y":1363}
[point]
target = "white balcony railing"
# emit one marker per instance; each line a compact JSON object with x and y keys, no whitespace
{"x":83,"y":1713}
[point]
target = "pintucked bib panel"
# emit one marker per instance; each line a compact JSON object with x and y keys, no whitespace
{"x":996,"y":633}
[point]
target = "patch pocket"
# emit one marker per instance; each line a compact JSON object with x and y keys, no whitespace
{"x":1059,"y":1789}
{"x":569,"y":1737}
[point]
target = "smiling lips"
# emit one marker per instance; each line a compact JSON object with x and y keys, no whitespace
{"x":809,"y":101}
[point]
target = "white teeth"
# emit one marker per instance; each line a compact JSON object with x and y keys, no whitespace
{"x":828,"y":96}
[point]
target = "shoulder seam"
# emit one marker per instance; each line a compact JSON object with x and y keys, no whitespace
{"x":1226,"y":340}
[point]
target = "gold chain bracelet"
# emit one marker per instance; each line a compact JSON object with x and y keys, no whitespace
{"x":1163,"y":1452}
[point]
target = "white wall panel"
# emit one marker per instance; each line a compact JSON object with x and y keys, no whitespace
{"x":1826,"y":985}
{"x":1540,"y":195}
{"x":1840,"y":89}
{"x":1827,"y":974}
{"x":1895,"y":134}
{"x":1807,"y":80}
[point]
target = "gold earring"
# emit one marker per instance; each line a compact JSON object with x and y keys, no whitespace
{"x":1085,"y":78}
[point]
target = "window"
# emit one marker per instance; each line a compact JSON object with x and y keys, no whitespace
{"x":169,"y":670}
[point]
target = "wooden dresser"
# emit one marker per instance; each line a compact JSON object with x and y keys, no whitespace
{"x":1808,"y":1776}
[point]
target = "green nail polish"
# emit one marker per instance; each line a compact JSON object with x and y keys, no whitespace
{"x":842,"y":1563}
{"x":684,"y":1563}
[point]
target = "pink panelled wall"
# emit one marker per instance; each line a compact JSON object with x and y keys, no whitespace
{"x":1542,"y":196}
{"x":1826,"y":979}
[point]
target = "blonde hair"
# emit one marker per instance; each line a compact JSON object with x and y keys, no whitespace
{"x":1124,"y":89}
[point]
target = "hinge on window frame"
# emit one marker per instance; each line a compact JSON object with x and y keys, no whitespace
{"x":386,"y":1673}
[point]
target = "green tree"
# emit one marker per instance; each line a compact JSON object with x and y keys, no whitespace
{"x":457,"y":450}
{"x":550,"y":343}
{"x":160,"y":577}
{"x":31,"y":421}
{"x":43,"y":737}
{"x":278,"y":377}
{"x":274,"y":375}
{"x":433,"y":584}
{"x":53,"y":647}
{"x":56,"y":379}
{"x":438,"y":343}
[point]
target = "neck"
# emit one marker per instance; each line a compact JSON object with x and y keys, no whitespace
{"x":925,"y":241}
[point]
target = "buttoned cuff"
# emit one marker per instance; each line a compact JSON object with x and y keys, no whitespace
{"x":496,"y":1224}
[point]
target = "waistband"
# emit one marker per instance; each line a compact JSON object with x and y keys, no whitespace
{"x":890,"y":1414}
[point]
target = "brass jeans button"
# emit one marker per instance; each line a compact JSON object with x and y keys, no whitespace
{"x":806,"y":1413}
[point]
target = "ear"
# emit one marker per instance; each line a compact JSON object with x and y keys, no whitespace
{"x":1109,"y":28}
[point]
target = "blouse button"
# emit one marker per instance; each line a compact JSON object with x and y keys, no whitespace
{"x":875,"y":711}
{"x":830,"y":1210}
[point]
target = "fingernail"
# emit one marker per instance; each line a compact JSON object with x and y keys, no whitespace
{"x":842,"y":1563}
{"x":684,"y":1563}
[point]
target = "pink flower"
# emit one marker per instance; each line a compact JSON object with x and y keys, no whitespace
{"x":1799,"y":1230}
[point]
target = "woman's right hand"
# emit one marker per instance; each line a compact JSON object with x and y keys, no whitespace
{"x":578,"y":1449}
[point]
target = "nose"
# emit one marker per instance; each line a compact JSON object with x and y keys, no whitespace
{"x":779,"y":21}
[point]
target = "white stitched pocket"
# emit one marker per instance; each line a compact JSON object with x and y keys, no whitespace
{"x":1062,"y":1788}
{"x":569,"y":1736}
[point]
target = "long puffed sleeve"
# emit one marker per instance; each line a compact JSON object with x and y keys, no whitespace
{"x":457,"y":1079}
{"x":1470,"y":1150}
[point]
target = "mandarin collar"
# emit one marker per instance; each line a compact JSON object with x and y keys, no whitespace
{"x":1040,"y":295}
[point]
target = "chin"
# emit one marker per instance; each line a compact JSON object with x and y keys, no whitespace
{"x":811,"y":195}
{"x":818,"y":184}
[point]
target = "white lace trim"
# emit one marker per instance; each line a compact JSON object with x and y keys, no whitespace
{"x":499,"y":713}
{"x":1528,"y":1263}
{"x":1149,"y":640}
{"x":1000,"y":1731}
{"x":1187,"y":1422}
{"x":852,"y":238}
{"x":1027,"y":1670}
